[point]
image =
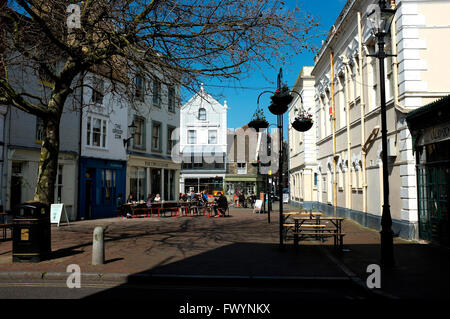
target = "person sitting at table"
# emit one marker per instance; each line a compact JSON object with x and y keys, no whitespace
{"x":203,"y":198}
{"x":149,"y":200}
{"x":157,"y":199}
{"x":130,"y":201}
{"x":222,"y":205}
{"x":183,"y":197}
{"x":119,"y":205}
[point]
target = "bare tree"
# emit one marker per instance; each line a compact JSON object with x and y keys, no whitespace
{"x":183,"y":41}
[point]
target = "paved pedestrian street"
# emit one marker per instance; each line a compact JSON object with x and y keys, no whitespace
{"x":236,"y":256}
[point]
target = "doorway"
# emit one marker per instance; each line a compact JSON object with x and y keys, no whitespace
{"x":16,"y":184}
{"x":88,"y":193}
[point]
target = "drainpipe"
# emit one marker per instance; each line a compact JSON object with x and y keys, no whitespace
{"x":363,"y":106}
{"x":394,"y":58}
{"x":334,"y":135}
{"x":79,"y":149}
{"x":4,"y":178}
{"x":349,"y":143}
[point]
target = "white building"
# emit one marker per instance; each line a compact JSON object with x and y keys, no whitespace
{"x":302,"y":145}
{"x":22,"y":139}
{"x":348,"y":151}
{"x":103,"y":158}
{"x":203,"y":143}
{"x":156,"y":115}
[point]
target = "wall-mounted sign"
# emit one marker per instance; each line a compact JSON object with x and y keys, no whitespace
{"x":117,"y":130}
{"x":153,"y":164}
{"x":438,"y":133}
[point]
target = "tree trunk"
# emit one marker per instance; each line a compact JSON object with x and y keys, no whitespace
{"x":48,"y":164}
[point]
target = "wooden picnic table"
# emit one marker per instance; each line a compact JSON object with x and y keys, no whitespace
{"x":308,"y":227}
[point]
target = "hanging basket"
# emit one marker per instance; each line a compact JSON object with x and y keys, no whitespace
{"x":278,"y":109}
{"x":258,"y":124}
{"x":283,"y":99}
{"x":302,"y":125}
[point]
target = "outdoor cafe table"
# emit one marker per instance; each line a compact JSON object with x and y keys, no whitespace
{"x":319,"y":230}
{"x":173,"y":206}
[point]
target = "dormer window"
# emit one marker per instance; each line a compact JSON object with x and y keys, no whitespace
{"x":202,"y":114}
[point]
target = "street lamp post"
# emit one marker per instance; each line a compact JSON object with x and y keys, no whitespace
{"x":280,"y":176}
{"x":269,"y":202}
{"x":280,"y":103}
{"x":132,"y":128}
{"x":381,"y":18}
{"x":278,"y":107}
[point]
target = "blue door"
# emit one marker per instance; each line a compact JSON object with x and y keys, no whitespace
{"x":101,"y":183}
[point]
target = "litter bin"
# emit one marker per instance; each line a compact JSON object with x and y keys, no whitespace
{"x":31,"y":232}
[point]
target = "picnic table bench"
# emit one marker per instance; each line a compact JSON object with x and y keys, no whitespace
{"x":318,"y":228}
{"x":5,"y":224}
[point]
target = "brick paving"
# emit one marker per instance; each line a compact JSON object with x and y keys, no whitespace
{"x":243,"y":244}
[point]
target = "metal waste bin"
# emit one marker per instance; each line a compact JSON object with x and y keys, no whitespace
{"x":31,"y":232}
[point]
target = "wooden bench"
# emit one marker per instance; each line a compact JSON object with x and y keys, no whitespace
{"x":312,"y":226}
{"x":338,"y":237}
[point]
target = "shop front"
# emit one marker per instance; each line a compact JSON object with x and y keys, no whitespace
{"x":101,"y":182}
{"x":245,"y":185}
{"x":212,"y":184}
{"x":150,"y":176}
{"x":430,"y":128}
{"x":23,"y":166}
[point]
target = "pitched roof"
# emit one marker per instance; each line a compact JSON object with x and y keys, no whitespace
{"x":202,"y":97}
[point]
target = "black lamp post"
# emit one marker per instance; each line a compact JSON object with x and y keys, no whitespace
{"x":132,"y":128}
{"x":278,"y":107}
{"x":381,"y":19}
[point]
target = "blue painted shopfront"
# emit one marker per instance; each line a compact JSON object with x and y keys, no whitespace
{"x":101,"y":181}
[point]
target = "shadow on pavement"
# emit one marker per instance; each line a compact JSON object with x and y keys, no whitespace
{"x":261,"y":272}
{"x":243,"y":271}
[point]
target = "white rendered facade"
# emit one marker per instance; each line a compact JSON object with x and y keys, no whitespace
{"x":302,"y":154}
{"x":414,"y":78}
{"x":203,"y":143}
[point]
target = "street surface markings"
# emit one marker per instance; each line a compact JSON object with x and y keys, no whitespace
{"x":55,"y":285}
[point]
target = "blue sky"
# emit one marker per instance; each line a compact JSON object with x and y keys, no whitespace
{"x":242,"y":101}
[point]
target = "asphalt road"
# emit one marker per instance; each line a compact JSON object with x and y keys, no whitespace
{"x":205,"y":291}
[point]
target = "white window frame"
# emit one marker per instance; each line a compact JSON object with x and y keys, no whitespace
{"x":98,"y":90}
{"x":156,"y":100}
{"x":171,"y":98}
{"x":241,"y":168}
{"x":140,"y":123}
{"x":103,"y":132}
{"x":202,"y":114}
{"x":194,"y":137}
{"x":209,"y":137}
{"x":140,"y":87}
{"x":40,"y":130}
